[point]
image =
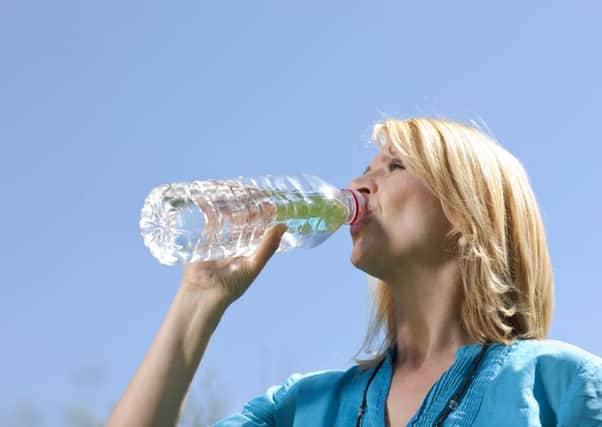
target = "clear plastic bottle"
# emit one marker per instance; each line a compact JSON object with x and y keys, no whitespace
{"x":186,"y":222}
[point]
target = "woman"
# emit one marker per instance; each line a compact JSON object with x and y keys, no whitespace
{"x":465,"y":292}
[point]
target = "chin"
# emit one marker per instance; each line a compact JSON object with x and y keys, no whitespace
{"x":357,"y":255}
{"x":365,"y":263}
{"x":375,"y":262}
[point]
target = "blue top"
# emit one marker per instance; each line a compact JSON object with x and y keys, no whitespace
{"x":527,"y":383}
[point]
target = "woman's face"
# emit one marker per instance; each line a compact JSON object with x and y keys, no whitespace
{"x":404,"y":224}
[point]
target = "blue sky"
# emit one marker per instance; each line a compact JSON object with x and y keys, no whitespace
{"x":101,"y":101}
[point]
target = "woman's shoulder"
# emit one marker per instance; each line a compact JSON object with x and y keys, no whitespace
{"x":557,"y":366}
{"x":554,"y":382}
{"x":312,"y":392}
{"x":554,"y":353}
{"x":328,"y":380}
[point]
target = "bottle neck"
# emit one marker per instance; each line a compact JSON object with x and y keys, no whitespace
{"x":355,"y":203}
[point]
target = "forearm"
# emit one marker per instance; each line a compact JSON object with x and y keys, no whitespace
{"x":155,"y":394}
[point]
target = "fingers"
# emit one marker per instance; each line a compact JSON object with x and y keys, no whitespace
{"x":269,"y":244}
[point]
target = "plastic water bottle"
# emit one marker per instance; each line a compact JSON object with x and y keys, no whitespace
{"x":186,"y":222}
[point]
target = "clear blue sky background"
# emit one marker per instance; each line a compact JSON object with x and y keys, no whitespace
{"x":101,"y":101}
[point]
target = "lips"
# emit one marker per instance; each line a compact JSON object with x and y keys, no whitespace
{"x":355,"y":228}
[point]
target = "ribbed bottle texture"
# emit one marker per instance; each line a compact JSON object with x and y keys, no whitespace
{"x":185,"y":222}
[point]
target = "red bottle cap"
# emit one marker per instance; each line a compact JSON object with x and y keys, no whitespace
{"x":359,"y":202}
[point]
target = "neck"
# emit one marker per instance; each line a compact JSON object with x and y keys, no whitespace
{"x":427,"y":314}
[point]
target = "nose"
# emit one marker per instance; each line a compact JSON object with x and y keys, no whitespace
{"x":364,"y":184}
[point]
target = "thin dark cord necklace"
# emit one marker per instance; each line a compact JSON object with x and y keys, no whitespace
{"x":451,"y":404}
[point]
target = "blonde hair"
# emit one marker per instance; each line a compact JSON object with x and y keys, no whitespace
{"x":499,"y":236}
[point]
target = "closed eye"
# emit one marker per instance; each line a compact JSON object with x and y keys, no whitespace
{"x":395,"y":164}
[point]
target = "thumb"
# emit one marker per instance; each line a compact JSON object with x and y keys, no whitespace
{"x":269,"y":244}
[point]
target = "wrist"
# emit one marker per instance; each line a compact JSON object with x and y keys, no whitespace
{"x":207,"y":300}
{"x":198,"y":314}
{"x":195,"y":306}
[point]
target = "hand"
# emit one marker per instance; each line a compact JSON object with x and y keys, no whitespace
{"x":227,"y":279}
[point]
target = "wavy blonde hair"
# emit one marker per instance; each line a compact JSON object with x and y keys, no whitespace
{"x":497,"y":231}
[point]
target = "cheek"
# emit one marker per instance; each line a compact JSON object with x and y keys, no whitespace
{"x":419,"y":219}
{"x":433,"y":211}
